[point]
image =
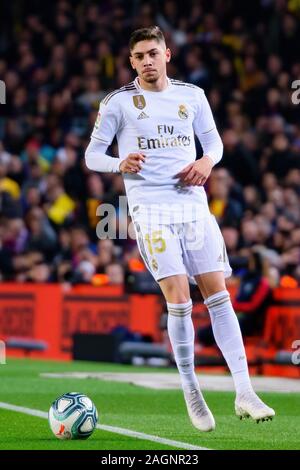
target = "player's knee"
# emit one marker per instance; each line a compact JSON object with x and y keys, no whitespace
{"x":175,"y":289}
{"x":215,"y":290}
{"x":175,"y":296}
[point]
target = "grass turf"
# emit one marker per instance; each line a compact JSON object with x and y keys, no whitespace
{"x":160,"y":413}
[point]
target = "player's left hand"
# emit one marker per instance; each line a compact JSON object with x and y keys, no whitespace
{"x":196,"y":173}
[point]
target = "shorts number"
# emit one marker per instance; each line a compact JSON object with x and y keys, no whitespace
{"x":156,"y":243}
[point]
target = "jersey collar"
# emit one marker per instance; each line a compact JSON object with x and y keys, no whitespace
{"x":139,"y":88}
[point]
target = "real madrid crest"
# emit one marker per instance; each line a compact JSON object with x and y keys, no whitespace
{"x":139,"y":101}
{"x":183,"y":112}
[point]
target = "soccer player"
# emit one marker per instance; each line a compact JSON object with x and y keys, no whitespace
{"x":155,"y":119}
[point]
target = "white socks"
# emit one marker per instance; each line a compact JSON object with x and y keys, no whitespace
{"x":182,"y":336}
{"x":228,"y":337}
{"x":227,"y":334}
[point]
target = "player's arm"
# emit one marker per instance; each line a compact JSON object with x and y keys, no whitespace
{"x":196,"y":173}
{"x":108,"y":123}
{"x":97,"y":160}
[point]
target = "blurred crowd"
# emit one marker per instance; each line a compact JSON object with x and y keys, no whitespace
{"x":59,"y":59}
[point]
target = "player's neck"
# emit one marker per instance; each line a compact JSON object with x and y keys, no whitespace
{"x":160,"y":85}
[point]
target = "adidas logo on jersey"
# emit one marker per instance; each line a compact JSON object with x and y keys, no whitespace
{"x":142,"y":115}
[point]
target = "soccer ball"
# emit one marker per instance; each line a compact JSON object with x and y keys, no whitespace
{"x":73,"y":416}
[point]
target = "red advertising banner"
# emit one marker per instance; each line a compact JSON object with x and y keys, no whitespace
{"x":40,"y":320}
{"x":31,"y":314}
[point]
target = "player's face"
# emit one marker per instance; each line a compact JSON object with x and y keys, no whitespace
{"x":149,"y":59}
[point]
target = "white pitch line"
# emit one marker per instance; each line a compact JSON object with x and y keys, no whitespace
{"x":104,"y":427}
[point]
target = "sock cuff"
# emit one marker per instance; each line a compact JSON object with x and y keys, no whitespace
{"x":180,"y":310}
{"x":217,"y":299}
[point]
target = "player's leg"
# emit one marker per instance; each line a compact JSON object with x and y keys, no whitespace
{"x":161,"y":251}
{"x":182,"y":337}
{"x":207,"y":262}
{"x":225,"y":327}
{"x":180,"y":326}
{"x":228,"y":337}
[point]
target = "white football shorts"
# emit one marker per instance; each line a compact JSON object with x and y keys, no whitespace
{"x":189,"y":248}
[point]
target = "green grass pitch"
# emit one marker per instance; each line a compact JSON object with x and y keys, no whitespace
{"x":157,"y":412}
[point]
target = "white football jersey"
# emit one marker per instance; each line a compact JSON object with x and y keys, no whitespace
{"x":161,"y":125}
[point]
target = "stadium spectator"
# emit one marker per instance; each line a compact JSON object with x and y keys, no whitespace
{"x":58,"y":59}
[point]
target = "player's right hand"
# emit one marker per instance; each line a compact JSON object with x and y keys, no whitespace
{"x":132,"y":163}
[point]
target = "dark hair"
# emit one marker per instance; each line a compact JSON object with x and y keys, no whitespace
{"x":146,"y":34}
